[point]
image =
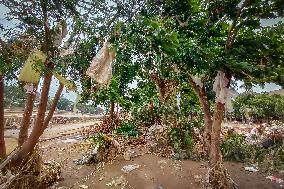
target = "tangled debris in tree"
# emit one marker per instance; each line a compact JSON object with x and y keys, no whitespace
{"x":34,"y":173}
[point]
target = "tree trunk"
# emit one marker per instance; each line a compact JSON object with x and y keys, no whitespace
{"x":23,"y":134}
{"x":218,"y":176}
{"x":111,"y":111}
{"x":54,"y":105}
{"x":28,"y":146}
{"x":2,"y":123}
{"x":203,"y":100}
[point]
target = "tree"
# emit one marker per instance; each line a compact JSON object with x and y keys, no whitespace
{"x":64,"y":104}
{"x":45,"y":21}
{"x":36,"y":19}
{"x":210,"y":40}
{"x":11,"y":54}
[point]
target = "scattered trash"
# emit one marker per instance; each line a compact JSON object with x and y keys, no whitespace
{"x":128,"y":168}
{"x":161,"y":186}
{"x":88,"y":158}
{"x":251,"y":169}
{"x":84,"y":186}
{"x":118,"y":181}
{"x":69,"y":140}
{"x":197,"y":178}
{"x":275,"y":179}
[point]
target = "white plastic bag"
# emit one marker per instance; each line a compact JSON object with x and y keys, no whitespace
{"x":100,"y":69}
{"x":224,"y":95}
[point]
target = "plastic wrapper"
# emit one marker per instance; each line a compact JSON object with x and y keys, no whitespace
{"x":100,"y":69}
{"x":224,"y":94}
{"x":68,"y":84}
{"x":61,"y":30}
{"x":30,"y":73}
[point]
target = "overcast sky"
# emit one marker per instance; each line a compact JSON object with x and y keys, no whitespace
{"x":72,"y":95}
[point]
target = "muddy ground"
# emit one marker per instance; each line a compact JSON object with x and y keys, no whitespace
{"x":153,"y":173}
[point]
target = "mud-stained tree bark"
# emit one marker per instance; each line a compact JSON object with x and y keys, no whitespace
{"x":30,"y":143}
{"x":218,"y":175}
{"x":54,"y":105}
{"x":23,"y":134}
{"x":2,"y":123}
{"x":203,"y":100}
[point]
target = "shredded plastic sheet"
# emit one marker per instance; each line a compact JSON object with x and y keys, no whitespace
{"x":100,"y":69}
{"x":66,"y":52}
{"x":224,"y":95}
{"x":197,"y":80}
{"x":61,"y":30}
{"x":28,"y":73}
{"x":68,"y":84}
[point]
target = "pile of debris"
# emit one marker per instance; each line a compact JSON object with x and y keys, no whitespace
{"x":32,"y":174}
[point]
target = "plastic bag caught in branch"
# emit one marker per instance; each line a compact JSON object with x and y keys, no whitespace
{"x":197,"y":81}
{"x":61,"y":30}
{"x":100,"y":69}
{"x":224,"y":95}
{"x":68,"y":84}
{"x":29,"y":73}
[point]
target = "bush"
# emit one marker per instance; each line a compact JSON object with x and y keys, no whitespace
{"x":128,"y":128}
{"x":235,"y":148}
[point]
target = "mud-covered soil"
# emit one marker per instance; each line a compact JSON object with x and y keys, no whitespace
{"x":154,"y":172}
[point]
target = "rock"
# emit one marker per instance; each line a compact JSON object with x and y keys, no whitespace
{"x":129,"y":168}
{"x":101,"y":178}
{"x":161,"y":186}
{"x":127,"y":156}
{"x":197,"y":178}
{"x":251,"y":169}
{"x":84,"y":186}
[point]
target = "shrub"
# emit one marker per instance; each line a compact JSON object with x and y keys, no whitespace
{"x":128,"y":128}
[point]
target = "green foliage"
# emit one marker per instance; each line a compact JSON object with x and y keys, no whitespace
{"x":99,"y":139}
{"x":65,"y":104}
{"x":128,"y":128}
{"x":182,"y":141}
{"x":235,"y":148}
{"x":259,"y":106}
{"x":14,"y":96}
{"x":87,"y":108}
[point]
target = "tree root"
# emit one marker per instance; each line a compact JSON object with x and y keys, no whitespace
{"x":219,"y":178}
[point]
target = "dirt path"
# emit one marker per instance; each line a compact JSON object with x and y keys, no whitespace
{"x":154,"y":172}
